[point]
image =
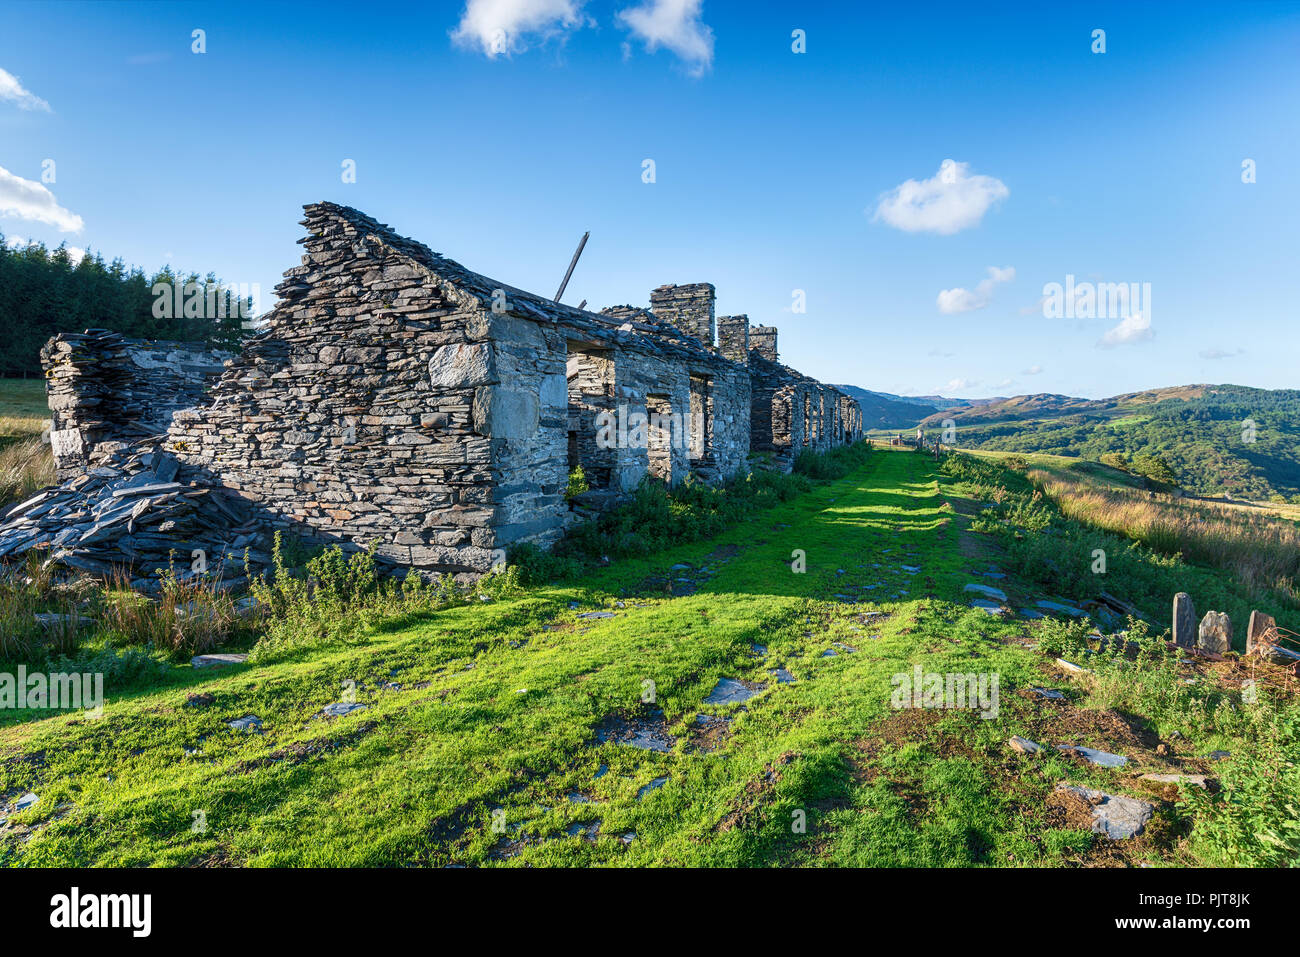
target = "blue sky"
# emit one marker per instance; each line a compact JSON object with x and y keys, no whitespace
{"x":775,"y":171}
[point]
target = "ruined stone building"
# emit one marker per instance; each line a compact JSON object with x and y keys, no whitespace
{"x":395,"y":397}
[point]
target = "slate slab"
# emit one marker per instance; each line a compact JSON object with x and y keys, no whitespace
{"x":1184,"y":621}
{"x":987,"y":591}
{"x":1102,"y":759}
{"x":731,"y":691}
{"x":648,"y":734}
{"x":1114,"y":816}
{"x":1063,"y":609}
{"x":217,"y":661}
{"x":340,"y":708}
{"x":1215,"y":633}
{"x":654,"y":785}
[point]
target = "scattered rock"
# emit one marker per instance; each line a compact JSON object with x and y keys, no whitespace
{"x":201,"y":700}
{"x":1063,"y":609}
{"x":217,"y":661}
{"x":1093,"y":756}
{"x":340,"y":708}
{"x":1049,"y":693}
{"x":1024,"y":745}
{"x":730,"y":691}
{"x":1114,"y":816}
{"x":249,"y":722}
{"x":648,"y":734}
{"x":782,"y":676}
{"x":1072,"y":667}
{"x":986,"y":590}
{"x":597,"y":614}
{"x":588,"y":832}
{"x":654,"y":785}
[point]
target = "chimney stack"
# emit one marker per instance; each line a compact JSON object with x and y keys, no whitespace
{"x":689,"y":308}
{"x":733,"y":338}
{"x":763,"y":338}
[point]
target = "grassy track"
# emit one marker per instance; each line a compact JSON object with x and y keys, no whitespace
{"x":485,"y":748}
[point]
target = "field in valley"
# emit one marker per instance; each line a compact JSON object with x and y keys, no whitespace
{"x":600,"y":721}
{"x":25,"y":460}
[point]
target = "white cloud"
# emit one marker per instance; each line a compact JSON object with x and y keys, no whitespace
{"x":1217,"y":353}
{"x":1132,"y":328}
{"x":11,"y":89}
{"x":1004,"y":383}
{"x":946,"y":203}
{"x":674,"y":25}
{"x":1032,"y":370}
{"x":957,"y":385}
{"x":952,"y":301}
{"x":500,"y":27}
{"x":32,"y":201}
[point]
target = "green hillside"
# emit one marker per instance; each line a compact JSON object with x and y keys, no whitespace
{"x":881,"y":411}
{"x":1202,"y":433}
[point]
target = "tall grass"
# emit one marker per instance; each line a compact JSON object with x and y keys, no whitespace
{"x":25,"y":466}
{"x":189,"y":617}
{"x":1254,"y":547}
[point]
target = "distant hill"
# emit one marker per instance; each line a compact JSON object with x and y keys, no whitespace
{"x":1201,"y":432}
{"x":882,"y":410}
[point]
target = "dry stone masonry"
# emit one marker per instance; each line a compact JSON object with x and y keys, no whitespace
{"x":106,"y":391}
{"x":394,"y":398}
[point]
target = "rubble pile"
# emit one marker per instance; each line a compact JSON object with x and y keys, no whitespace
{"x":136,"y":515}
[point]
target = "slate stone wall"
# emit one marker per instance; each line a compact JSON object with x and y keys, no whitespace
{"x":763,"y":340}
{"x":106,"y":391}
{"x":689,"y":307}
{"x":733,"y":338}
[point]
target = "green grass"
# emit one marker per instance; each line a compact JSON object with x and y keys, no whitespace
{"x":23,"y":399}
{"x":500,"y":702}
{"x":25,"y":460}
